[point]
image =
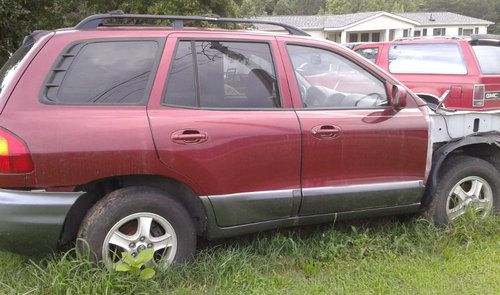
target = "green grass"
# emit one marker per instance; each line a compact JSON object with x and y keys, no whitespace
{"x":376,"y":257}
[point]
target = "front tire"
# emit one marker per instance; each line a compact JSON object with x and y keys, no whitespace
{"x":465,"y":183}
{"x":132,"y":219}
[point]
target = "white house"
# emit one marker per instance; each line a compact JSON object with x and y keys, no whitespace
{"x":381,"y":26}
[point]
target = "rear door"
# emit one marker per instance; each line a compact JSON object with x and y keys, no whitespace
{"x":221,"y":115}
{"x":358,"y":152}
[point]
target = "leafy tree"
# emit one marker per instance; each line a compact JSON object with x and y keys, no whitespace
{"x":298,"y":7}
{"x":13,"y":19}
{"x":483,"y":9}
{"x":284,"y":7}
{"x":352,"y":6}
{"x":20,"y":17}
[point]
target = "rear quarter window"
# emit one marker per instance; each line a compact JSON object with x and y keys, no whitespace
{"x":370,"y":53}
{"x":9,"y":69}
{"x":103,"y":72}
{"x":435,"y":58}
{"x":488,"y":58}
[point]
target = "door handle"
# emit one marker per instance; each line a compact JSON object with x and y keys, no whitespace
{"x":326,"y":131}
{"x":189,"y":136}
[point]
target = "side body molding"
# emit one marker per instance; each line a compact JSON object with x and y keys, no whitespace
{"x":248,"y":212}
{"x":250,"y":207}
{"x":337,"y":199}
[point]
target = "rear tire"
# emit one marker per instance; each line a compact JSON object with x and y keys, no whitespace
{"x":464,"y":182}
{"x":134,"y":218}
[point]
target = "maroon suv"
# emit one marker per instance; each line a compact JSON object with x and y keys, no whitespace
{"x":135,"y":137}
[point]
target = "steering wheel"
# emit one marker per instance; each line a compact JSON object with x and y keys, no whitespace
{"x":369,"y":95}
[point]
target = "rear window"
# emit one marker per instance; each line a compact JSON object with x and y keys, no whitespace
{"x":10,"y":67}
{"x":489,"y":58}
{"x":103,"y":72}
{"x":436,"y":58}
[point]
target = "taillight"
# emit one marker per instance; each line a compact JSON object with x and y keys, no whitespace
{"x":478,"y":96}
{"x":14,"y":155}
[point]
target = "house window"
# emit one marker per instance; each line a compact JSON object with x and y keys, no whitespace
{"x":460,"y":31}
{"x":476,"y":30}
{"x":375,"y":37}
{"x":424,"y":32}
{"x":416,"y":34}
{"x":353,"y":37}
{"x":467,"y":32}
{"x":439,"y":32}
{"x":405,"y":33}
{"x":365,"y":37}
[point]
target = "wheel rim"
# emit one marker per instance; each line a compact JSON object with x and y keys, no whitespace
{"x":137,"y":232}
{"x":471,"y":192}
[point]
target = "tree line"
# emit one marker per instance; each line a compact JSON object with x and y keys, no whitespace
{"x":19,"y":17}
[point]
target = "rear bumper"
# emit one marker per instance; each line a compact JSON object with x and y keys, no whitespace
{"x":31,"y":221}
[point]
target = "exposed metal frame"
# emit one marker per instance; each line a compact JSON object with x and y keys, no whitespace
{"x":178,"y":22}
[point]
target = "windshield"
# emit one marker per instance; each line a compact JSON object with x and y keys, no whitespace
{"x":489,"y":58}
{"x":10,"y":67}
{"x":433,"y":58}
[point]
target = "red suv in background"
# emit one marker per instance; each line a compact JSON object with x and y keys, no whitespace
{"x":469,"y":69}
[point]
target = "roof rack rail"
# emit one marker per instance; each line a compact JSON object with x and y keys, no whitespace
{"x":97,"y":20}
{"x":485,"y":39}
{"x":430,"y":38}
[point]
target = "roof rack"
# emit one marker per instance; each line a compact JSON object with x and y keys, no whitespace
{"x":430,"y":38}
{"x":178,"y":22}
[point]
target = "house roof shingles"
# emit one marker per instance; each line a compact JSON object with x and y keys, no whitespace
{"x":343,"y":20}
{"x":443,"y":18}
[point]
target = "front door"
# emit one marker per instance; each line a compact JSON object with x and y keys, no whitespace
{"x":358,"y":152}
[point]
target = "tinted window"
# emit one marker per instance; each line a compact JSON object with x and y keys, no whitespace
{"x":489,"y":58}
{"x":328,"y":80}
{"x":368,"y":53}
{"x":10,"y":67}
{"x":103,"y":73}
{"x":438,"y":58}
{"x":222,"y":75}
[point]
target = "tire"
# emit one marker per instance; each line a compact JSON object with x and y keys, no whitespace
{"x":115,"y":219}
{"x":454,"y":192}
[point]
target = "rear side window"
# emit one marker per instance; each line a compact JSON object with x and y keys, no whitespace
{"x":436,"y":58}
{"x":104,"y":72}
{"x":222,"y":74}
{"x":10,"y":67}
{"x":489,"y":58}
{"x":368,"y":53}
